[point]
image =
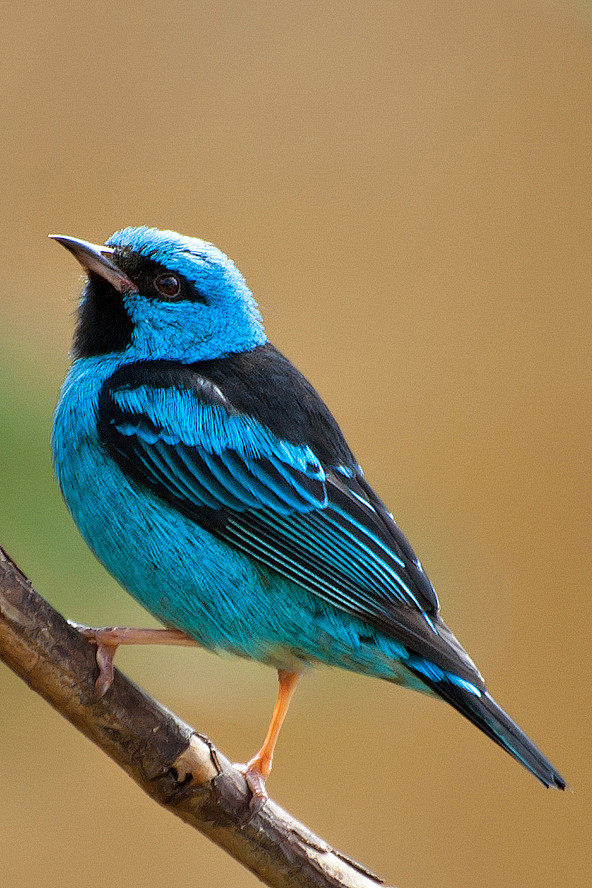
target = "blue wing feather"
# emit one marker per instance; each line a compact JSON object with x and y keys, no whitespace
{"x":201,"y":453}
{"x":320,"y":525}
{"x":244,"y":459}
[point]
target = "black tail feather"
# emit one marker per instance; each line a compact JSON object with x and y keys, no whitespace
{"x":484,"y":712}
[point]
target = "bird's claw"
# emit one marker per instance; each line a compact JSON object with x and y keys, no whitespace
{"x":255,"y":780}
{"x":104,"y":657}
{"x":102,"y":639}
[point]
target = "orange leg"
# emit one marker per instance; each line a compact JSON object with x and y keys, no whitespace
{"x":108,"y":640}
{"x":258,"y":769}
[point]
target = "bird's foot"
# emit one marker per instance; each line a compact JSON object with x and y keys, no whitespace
{"x":256,"y":773}
{"x":106,"y":643}
{"x":108,"y":639}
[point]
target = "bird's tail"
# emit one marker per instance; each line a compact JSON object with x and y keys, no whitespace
{"x":484,"y":712}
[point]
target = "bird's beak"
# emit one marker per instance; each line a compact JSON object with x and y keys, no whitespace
{"x":94,"y":257}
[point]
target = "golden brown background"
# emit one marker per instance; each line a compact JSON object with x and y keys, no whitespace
{"x":407,"y":188}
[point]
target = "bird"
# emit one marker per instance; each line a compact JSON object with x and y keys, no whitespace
{"x":211,"y":480}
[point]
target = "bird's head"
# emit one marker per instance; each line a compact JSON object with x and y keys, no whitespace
{"x":156,"y":294}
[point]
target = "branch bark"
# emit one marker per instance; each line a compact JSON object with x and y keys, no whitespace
{"x":175,"y":765}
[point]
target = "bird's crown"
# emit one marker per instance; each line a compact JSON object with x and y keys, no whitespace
{"x":207,"y":270}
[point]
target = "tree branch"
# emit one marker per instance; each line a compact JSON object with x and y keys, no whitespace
{"x":176,"y":766}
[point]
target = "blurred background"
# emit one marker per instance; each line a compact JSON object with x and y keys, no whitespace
{"x":407,"y":189}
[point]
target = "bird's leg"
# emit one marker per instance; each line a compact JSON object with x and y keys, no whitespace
{"x":108,"y":640}
{"x":258,"y":769}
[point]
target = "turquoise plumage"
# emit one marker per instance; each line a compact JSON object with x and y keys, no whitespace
{"x":210,"y":479}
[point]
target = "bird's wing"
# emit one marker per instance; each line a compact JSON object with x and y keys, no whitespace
{"x":322,"y":526}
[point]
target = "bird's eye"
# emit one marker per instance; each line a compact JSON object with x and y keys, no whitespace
{"x":168,"y":285}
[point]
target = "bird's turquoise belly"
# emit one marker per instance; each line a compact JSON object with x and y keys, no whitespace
{"x":175,"y":569}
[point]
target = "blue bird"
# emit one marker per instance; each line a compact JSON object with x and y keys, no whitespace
{"x":210,"y":479}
